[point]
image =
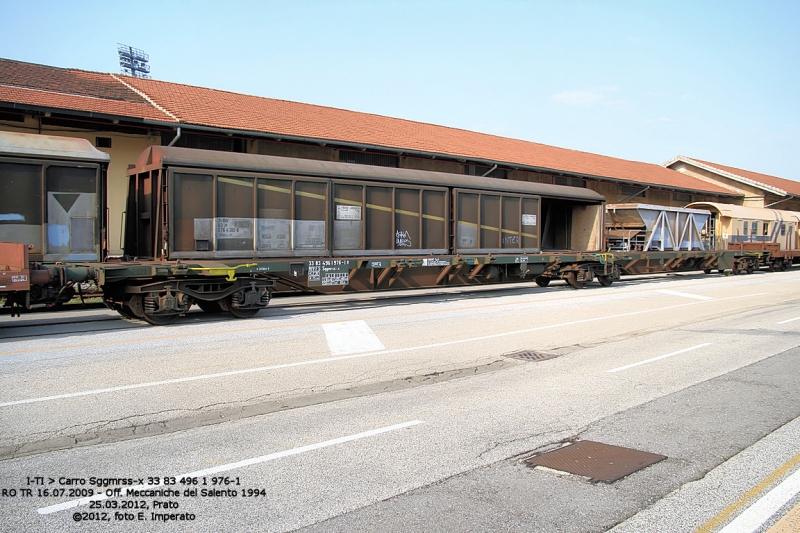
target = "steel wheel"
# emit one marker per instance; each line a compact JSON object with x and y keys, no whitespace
{"x":605,"y":281}
{"x":227,"y":305}
{"x":137,"y":307}
{"x":542,"y":282}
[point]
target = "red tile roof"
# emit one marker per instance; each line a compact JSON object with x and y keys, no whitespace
{"x":78,"y":90}
{"x":790,"y":186}
{"x":109,"y":94}
{"x":211,"y":107}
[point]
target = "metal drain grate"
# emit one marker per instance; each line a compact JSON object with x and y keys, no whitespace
{"x":530,"y":355}
{"x":595,"y":460}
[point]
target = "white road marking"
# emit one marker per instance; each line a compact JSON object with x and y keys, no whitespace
{"x":684,"y":294}
{"x":232,"y":466}
{"x":353,"y":356}
{"x":790,"y":320}
{"x":761,"y":511}
{"x":659,"y":357}
{"x":351,"y":337}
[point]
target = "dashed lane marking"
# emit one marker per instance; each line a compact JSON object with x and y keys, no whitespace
{"x":239,"y":464}
{"x":619,"y":368}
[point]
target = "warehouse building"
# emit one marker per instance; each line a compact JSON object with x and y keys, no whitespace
{"x":122,"y":116}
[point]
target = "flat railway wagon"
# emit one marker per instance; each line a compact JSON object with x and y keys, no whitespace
{"x":225,"y":230}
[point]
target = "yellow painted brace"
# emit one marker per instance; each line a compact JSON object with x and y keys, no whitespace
{"x":230,"y":273}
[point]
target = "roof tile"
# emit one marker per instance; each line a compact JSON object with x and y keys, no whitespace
{"x":790,"y":186}
{"x":39,"y":85}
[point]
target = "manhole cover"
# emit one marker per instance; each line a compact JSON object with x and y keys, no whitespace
{"x":530,"y":355}
{"x":595,"y":460}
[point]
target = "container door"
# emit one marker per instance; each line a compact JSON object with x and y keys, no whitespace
{"x":72,"y":223}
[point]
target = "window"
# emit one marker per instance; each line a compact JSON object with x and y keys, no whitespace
{"x":682,"y":197}
{"x":12,"y":117}
{"x":783,"y":229}
{"x":102,"y":142}
{"x":368,"y":158}
{"x":632,"y":191}
{"x":205,"y":142}
{"x":570,"y":182}
{"x":766,"y":229}
{"x":481,"y":170}
{"x":744,"y":227}
{"x":754,"y":228}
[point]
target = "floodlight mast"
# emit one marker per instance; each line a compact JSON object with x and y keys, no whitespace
{"x":133,"y":61}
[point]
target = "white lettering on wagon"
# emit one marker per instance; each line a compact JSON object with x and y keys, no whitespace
{"x":329,"y":273}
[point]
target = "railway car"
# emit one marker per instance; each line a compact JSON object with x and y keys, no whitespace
{"x":224,"y":230}
{"x":52,"y":201}
{"x":754,"y":230}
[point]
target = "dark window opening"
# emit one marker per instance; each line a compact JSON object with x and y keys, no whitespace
{"x":632,"y":191}
{"x":102,"y":142}
{"x":480,"y":170}
{"x":206,"y":142}
{"x":12,"y":117}
{"x":94,"y":124}
{"x":682,"y":197}
{"x":570,"y":182}
{"x":368,"y":158}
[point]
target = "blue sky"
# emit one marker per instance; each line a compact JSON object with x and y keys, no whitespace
{"x":641,"y":80}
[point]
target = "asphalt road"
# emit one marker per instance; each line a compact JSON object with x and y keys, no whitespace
{"x":361,"y":413}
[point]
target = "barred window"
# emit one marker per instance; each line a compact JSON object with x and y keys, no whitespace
{"x":571,"y":182}
{"x":369,"y":158}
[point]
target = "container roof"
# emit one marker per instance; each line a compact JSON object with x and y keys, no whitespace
{"x":48,"y":146}
{"x":750,"y":213}
{"x":161,"y":156}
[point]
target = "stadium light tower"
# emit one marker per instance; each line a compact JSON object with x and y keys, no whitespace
{"x":133,"y":61}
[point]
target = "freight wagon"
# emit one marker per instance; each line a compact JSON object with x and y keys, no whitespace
{"x":225,"y":231}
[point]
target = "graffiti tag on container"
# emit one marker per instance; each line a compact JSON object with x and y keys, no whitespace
{"x":511,"y":239}
{"x":402,"y":239}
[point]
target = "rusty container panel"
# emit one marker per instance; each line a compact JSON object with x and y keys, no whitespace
{"x":493,"y":223}
{"x":192,"y":212}
{"x":434,"y":221}
{"x":14,"y":273}
{"x":236,"y":215}
{"x":21,"y":204}
{"x":379,"y":227}
{"x":529,"y":219}
{"x":273,"y":216}
{"x":369,"y":219}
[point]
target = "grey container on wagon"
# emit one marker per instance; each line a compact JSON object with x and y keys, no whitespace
{"x":247,"y":206}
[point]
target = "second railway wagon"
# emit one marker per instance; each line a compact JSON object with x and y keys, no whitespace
{"x":227,"y":229}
